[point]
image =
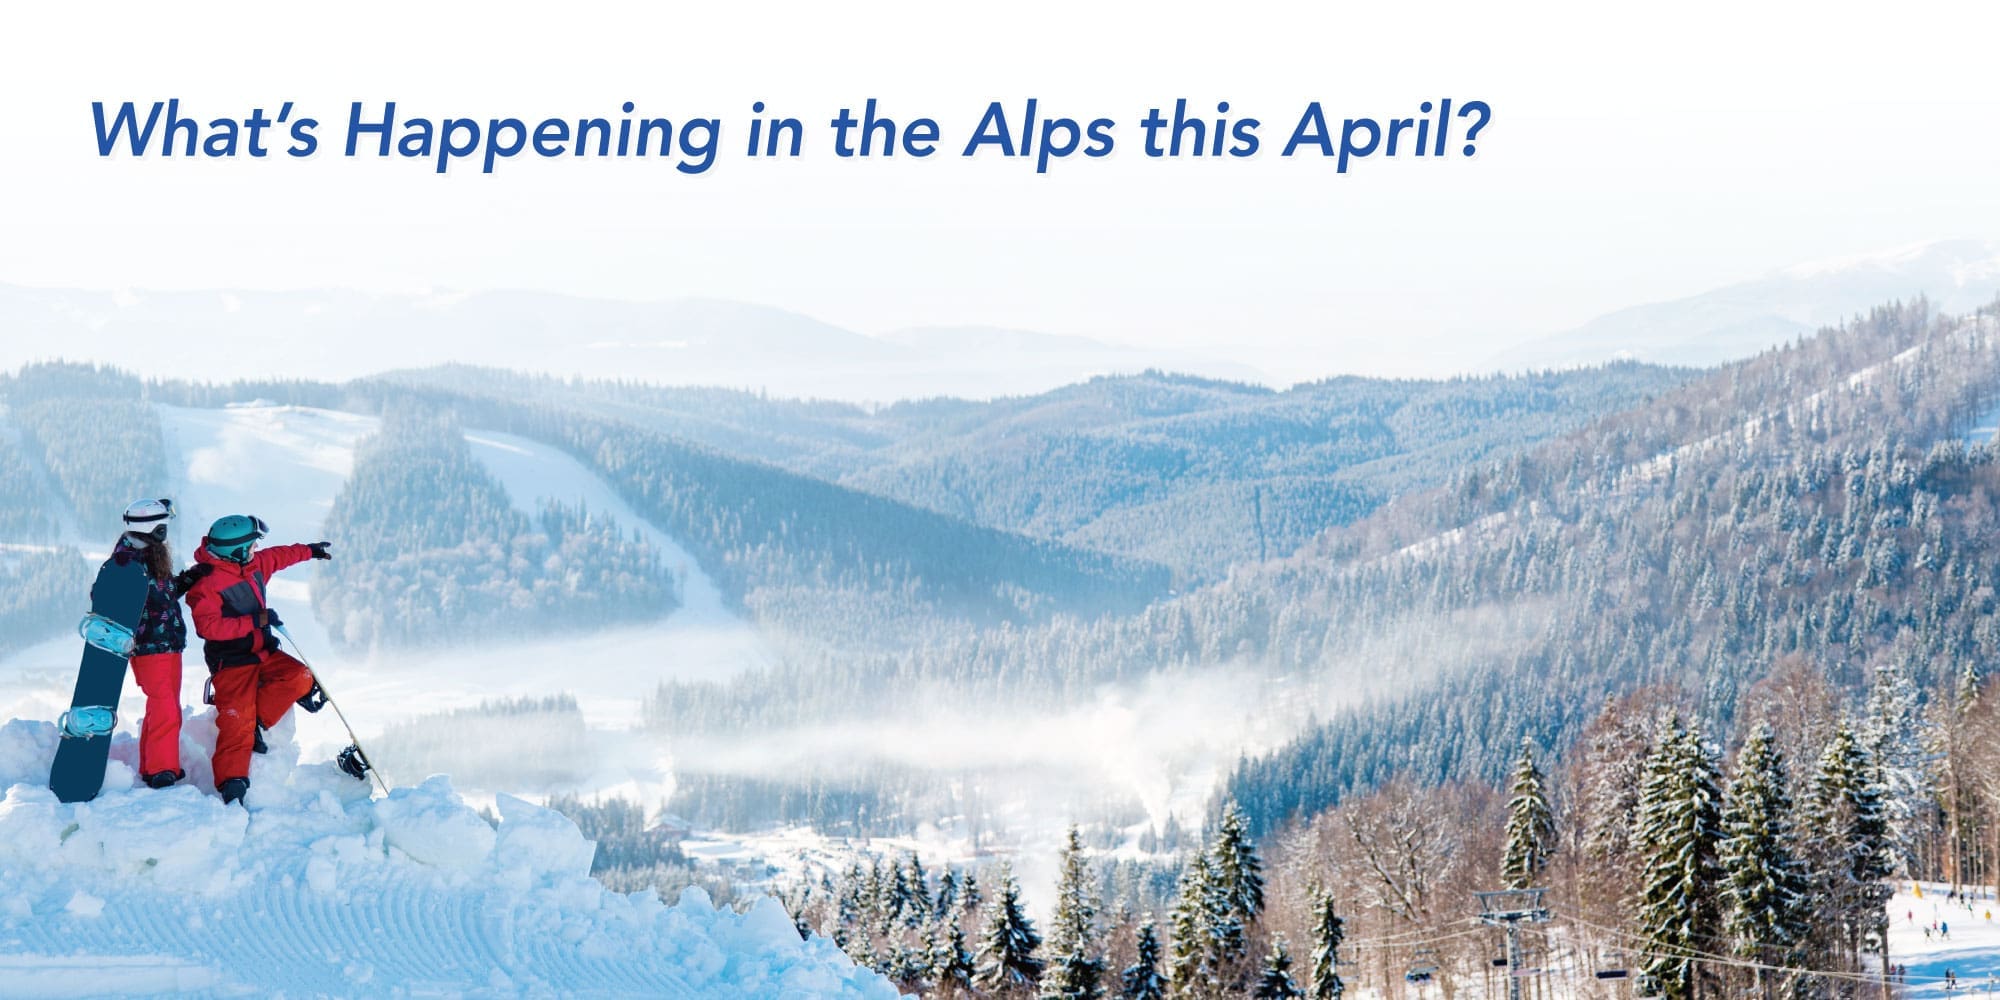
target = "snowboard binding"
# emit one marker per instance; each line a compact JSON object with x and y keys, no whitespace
{"x":87,"y":722}
{"x":107,"y":635}
{"x":354,"y":763}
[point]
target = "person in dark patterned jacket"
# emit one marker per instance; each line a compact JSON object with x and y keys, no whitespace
{"x":160,"y":637}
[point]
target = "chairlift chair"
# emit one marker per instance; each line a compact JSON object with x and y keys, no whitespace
{"x":1423,"y":968}
{"x":1615,"y":968}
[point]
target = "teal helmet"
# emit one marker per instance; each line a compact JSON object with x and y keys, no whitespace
{"x":232,"y":537}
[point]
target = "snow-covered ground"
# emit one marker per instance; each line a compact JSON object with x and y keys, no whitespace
{"x":1971,"y":954}
{"x":318,"y":890}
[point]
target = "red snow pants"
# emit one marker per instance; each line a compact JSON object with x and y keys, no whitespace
{"x":159,"y":675}
{"x":255,"y":694}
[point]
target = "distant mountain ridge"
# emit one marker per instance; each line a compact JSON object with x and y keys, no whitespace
{"x":1739,"y":320}
{"x":1197,"y":474}
{"x":336,"y":335}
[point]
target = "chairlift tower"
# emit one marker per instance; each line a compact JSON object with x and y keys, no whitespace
{"x":1510,"y":908}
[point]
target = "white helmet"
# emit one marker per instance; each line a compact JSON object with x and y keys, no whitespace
{"x":146,"y":520}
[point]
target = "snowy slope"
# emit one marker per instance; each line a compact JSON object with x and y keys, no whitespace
{"x":317,"y":890}
{"x":1971,"y":954}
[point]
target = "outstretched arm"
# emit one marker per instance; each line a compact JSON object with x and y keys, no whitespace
{"x":279,"y":557}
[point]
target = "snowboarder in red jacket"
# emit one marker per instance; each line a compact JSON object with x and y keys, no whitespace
{"x":255,"y":682}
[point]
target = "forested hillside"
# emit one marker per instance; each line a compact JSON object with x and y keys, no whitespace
{"x":90,"y":430}
{"x":432,"y":551}
{"x":1815,"y":503}
{"x":76,"y":445}
{"x":814,"y":558}
{"x":1191,"y":473}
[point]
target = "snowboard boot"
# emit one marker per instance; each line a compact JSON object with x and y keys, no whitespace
{"x":259,"y":746}
{"x":233,"y":790}
{"x":164,"y":779}
{"x":353,"y":763}
{"x":313,"y":700}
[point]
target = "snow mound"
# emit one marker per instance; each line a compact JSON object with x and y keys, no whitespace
{"x":317,"y":889}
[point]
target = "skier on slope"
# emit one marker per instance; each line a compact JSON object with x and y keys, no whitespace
{"x":255,"y":683}
{"x":160,"y":637}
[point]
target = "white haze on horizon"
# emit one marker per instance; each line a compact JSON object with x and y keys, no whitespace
{"x":1651,"y":183}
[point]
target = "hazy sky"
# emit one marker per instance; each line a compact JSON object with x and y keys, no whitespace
{"x":1632,"y":155}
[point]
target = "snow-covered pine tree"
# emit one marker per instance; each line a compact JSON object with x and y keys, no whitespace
{"x":969,"y":896}
{"x":1765,"y":885}
{"x":1236,"y":896}
{"x":1531,"y":826}
{"x":1142,"y":979}
{"x":1239,"y":873}
{"x":1328,"y":931}
{"x":1680,"y":829}
{"x":1895,"y":733}
{"x":1190,"y":969}
{"x":1850,"y":847}
{"x":947,"y":895}
{"x":952,"y":966}
{"x":898,"y":896}
{"x":917,"y":898}
{"x":1007,"y":962}
{"x":847,"y":911}
{"x":875,"y":899}
{"x":1275,"y":983}
{"x":1076,"y":964}
{"x":912,"y":963}
{"x":1228,"y":943}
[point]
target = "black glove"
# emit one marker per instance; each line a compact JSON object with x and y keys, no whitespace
{"x":261,"y":618}
{"x":189,"y":577}
{"x":319,"y":550}
{"x":313,"y":700}
{"x":271,"y":619}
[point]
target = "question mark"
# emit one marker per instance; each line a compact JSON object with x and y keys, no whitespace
{"x":1485,"y":115}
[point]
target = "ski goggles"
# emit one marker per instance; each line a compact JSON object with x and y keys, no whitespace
{"x":258,"y":529}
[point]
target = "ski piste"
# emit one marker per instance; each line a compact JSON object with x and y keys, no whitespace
{"x":352,"y":760}
{"x":117,"y":599}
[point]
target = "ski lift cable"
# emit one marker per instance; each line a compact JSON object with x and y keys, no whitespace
{"x":1741,"y":963}
{"x":1421,"y":932}
{"x":1408,"y":938}
{"x":1381,"y":945}
{"x":1645,"y":945}
{"x":1714,"y":939}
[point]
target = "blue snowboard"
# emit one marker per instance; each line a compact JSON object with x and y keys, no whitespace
{"x":117,"y":600}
